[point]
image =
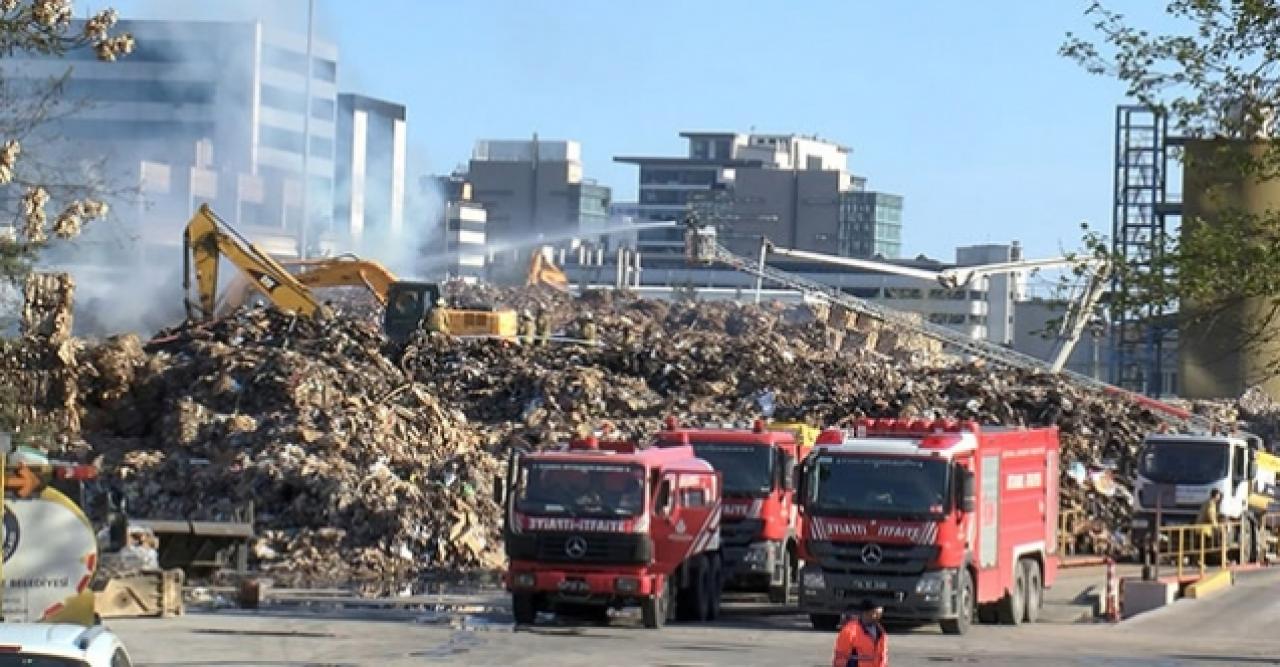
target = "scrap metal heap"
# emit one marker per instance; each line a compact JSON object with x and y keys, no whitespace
{"x":371,"y":463}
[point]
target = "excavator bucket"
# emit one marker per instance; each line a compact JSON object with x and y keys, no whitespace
{"x":407,"y":303}
{"x":544,"y":272}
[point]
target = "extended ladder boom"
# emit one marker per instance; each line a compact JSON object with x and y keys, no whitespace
{"x":702,"y":247}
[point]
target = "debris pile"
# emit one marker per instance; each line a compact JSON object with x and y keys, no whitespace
{"x":355,"y":473}
{"x":373,"y":463}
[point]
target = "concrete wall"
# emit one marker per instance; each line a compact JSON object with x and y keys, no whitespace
{"x":1215,"y":360}
{"x":795,"y":209}
{"x":524,"y":199}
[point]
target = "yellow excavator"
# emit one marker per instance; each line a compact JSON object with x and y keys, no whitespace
{"x":288,"y":284}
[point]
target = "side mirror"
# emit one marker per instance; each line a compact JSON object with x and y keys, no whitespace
{"x":967,"y":500}
{"x":1253,"y":469}
{"x":789,"y":476}
{"x":499,"y":490}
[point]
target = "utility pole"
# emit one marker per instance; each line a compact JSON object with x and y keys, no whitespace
{"x":306,"y":135}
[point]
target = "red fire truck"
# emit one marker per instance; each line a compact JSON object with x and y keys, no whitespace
{"x":935,"y":520}
{"x":758,"y":537}
{"x":600,"y":524}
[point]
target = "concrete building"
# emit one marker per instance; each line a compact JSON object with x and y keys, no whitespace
{"x":789,"y":188}
{"x":204,"y":112}
{"x":535,"y":189}
{"x":463,"y":223}
{"x":369,"y":167}
{"x":1036,"y":333}
{"x":533,"y":192}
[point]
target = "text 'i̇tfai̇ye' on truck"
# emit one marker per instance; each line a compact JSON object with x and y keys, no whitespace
{"x":935,"y":520}
{"x":758,"y":533}
{"x":602,"y":524}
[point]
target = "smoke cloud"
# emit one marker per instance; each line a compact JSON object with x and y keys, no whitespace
{"x":129,"y":268}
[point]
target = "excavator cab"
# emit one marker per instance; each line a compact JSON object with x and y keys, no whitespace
{"x":407,"y":303}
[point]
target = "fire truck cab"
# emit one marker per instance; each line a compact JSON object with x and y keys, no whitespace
{"x":935,"y":520}
{"x":758,"y":533}
{"x":600,"y":524}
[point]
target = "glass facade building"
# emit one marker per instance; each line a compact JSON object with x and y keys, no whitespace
{"x":870,"y":225}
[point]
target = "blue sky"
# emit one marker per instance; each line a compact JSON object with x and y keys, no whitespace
{"x":971,"y":115}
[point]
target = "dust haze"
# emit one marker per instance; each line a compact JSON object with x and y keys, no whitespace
{"x":129,"y":267}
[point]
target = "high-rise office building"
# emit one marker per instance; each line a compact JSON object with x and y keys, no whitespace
{"x":204,"y":112}
{"x":369,"y":196}
{"x":786,"y":187}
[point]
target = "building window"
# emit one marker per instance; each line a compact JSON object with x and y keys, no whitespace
{"x":117,"y":90}
{"x":322,"y":146}
{"x":285,"y":140}
{"x":326,"y":70}
{"x":285,"y":100}
{"x":279,"y":58}
{"x":663,"y":196}
{"x":322,"y":108}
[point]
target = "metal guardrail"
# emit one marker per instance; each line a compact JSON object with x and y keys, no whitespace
{"x":1196,"y":541}
{"x":955,"y":340}
{"x":1068,"y":523}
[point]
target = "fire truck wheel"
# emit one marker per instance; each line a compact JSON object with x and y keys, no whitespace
{"x":825,"y":622}
{"x":692,"y":601}
{"x":1035,"y":591}
{"x":1014,"y":604}
{"x":717,"y":585}
{"x":524,"y":606}
{"x":707,"y":590}
{"x":655,"y":609}
{"x":964,"y":614}
{"x":782,"y":594}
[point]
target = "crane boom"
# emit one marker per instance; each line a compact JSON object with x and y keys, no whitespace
{"x":206,"y":239}
{"x":701,"y":246}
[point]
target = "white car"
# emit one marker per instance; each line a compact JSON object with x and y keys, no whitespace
{"x":60,"y":645}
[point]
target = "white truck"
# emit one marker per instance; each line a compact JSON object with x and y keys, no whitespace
{"x":1176,"y":473}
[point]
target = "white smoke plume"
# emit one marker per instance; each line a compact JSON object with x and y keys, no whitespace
{"x":129,"y":274}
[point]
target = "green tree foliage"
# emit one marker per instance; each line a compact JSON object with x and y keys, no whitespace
{"x":1214,"y":71}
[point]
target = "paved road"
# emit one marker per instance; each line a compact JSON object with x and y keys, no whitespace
{"x":1238,"y":627}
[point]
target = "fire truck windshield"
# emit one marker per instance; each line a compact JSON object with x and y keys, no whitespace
{"x":1180,"y":462}
{"x":580,"y":489}
{"x":880,"y":486}
{"x":747,"y":469}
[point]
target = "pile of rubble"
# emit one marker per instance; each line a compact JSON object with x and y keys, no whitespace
{"x":373,"y":463}
{"x":355,"y":472}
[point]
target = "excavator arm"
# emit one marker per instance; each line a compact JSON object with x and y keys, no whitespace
{"x":343,"y":271}
{"x":348,"y":271}
{"x":207,"y":239}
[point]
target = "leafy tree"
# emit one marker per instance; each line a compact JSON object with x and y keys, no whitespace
{"x":34,"y":177}
{"x":1215,"y":74}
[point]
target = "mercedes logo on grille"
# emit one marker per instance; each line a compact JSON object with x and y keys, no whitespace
{"x":872,"y":554}
{"x":575,"y":547}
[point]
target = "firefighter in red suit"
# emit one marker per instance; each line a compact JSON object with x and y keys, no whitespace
{"x":862,"y":641}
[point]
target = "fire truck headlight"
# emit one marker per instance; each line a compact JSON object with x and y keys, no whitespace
{"x":525,"y":580}
{"x":813,"y":579}
{"x":930,"y":584}
{"x":626,"y":585}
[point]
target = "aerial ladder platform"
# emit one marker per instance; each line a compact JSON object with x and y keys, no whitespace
{"x":703,"y":247}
